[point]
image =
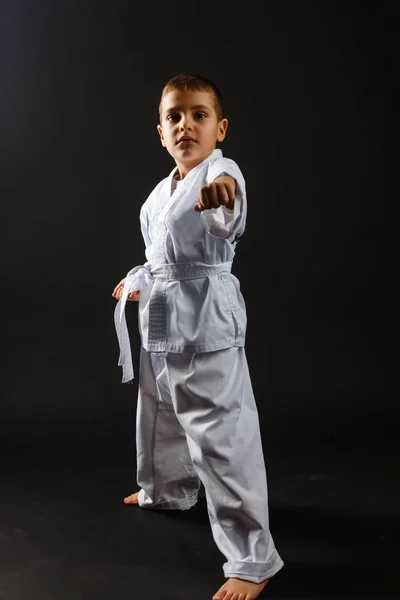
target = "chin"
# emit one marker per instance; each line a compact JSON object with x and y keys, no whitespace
{"x":189,"y":154}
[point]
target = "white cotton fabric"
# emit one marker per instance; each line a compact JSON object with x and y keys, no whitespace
{"x":197,"y":421}
{"x":199,"y":308}
{"x":202,"y":314}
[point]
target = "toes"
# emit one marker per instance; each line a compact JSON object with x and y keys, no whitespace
{"x":130,"y":499}
{"x":220,"y":595}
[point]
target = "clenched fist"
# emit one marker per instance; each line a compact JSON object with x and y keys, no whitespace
{"x":118,"y":290}
{"x":220,"y":192}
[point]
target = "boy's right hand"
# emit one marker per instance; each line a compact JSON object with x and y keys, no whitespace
{"x":117,"y":293}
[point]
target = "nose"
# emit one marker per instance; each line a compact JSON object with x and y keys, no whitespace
{"x":185,"y":124}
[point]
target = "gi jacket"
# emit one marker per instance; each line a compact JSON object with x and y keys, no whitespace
{"x":189,"y":301}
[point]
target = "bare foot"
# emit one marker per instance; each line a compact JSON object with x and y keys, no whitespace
{"x":239,"y":589}
{"x":133,"y":499}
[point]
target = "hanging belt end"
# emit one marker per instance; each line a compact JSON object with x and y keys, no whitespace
{"x":128,"y":378}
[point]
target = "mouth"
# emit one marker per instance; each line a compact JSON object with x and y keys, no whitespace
{"x":186,"y":139}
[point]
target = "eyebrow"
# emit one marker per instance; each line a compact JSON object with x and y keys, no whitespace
{"x":196,"y":107}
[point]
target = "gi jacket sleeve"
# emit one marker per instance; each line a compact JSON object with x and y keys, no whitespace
{"x":222,"y":221}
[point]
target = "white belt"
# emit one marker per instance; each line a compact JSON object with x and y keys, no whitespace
{"x":139,"y":278}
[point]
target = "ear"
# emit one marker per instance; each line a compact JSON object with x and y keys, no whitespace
{"x":159,"y":129}
{"x":222,"y":127}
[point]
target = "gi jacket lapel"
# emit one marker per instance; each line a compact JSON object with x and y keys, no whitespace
{"x":186,"y":183}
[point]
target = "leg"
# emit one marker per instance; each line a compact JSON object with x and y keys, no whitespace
{"x":165,"y":471}
{"x":214,"y":403}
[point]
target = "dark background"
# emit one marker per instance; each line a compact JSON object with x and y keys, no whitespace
{"x":304,"y":92}
{"x":304,"y":86}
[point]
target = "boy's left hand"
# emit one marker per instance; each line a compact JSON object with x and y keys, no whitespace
{"x":220,"y":192}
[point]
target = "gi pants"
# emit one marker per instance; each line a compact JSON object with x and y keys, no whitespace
{"x":197,"y":421}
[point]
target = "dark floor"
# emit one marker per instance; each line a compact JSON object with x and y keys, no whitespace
{"x":66,"y":535}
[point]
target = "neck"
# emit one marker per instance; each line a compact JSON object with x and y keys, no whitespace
{"x":186,"y":167}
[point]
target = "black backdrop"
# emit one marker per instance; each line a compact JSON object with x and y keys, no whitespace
{"x":304,"y":88}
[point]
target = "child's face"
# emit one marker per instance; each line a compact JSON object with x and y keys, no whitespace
{"x":189,"y":127}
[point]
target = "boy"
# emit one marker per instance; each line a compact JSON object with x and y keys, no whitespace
{"x":196,"y":417}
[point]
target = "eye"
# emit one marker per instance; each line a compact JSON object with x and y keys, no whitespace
{"x":200,"y":116}
{"x":173,"y":118}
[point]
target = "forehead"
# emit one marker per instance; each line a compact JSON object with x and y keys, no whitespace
{"x":186,"y":99}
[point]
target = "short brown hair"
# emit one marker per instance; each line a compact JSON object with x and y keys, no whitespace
{"x":195,"y":82}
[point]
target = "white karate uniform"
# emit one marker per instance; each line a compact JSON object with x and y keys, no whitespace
{"x":197,"y":418}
